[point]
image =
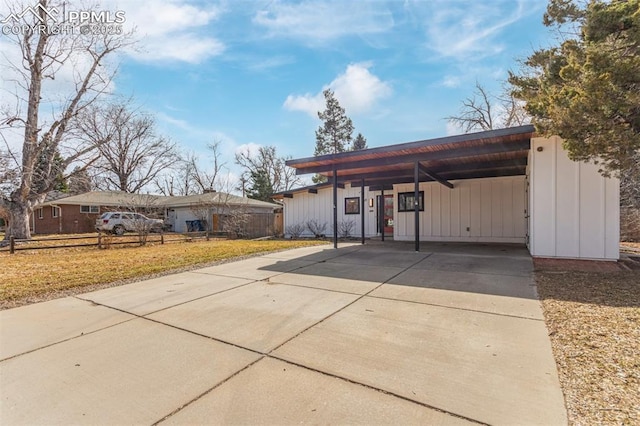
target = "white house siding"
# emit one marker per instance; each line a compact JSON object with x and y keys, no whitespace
{"x":305,"y":206}
{"x":475,"y":210}
{"x":574,"y":210}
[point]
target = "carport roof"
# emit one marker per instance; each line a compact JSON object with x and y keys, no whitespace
{"x":501,"y":152}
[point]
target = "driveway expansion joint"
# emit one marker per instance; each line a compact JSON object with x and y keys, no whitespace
{"x":73,"y":337}
{"x":456,"y":308}
{"x":208,"y":391}
{"x":386,"y":392}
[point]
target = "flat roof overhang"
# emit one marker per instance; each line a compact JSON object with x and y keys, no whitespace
{"x":502,"y":152}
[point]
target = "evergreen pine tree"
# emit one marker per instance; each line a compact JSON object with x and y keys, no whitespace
{"x":359,"y":143}
{"x":334,"y":135}
{"x":261,"y":188}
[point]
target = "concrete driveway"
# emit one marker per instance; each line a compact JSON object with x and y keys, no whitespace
{"x":372,"y":334}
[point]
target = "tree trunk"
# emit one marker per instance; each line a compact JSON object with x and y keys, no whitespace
{"x":18,"y":226}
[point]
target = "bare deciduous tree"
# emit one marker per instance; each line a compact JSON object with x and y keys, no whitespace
{"x":484,"y":111}
{"x":235,"y":222}
{"x":207,"y":180}
{"x":44,"y":55}
{"x":79,"y":182}
{"x":266,"y":171}
{"x":134,"y":154}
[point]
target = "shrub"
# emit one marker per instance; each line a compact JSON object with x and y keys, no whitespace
{"x":316,"y":227}
{"x":345,"y":228}
{"x":295,"y":230}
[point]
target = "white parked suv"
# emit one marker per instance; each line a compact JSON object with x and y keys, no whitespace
{"x":121,"y":222}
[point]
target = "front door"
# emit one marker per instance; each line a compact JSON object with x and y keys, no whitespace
{"x":386,"y":212}
{"x":388,"y":215}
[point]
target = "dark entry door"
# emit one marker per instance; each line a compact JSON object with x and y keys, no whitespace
{"x":386,"y":211}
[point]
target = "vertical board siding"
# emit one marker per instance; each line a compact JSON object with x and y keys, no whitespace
{"x":574,"y":210}
{"x":305,"y":206}
{"x":492,"y":209}
{"x":455,"y":214}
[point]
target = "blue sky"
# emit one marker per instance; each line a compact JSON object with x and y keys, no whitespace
{"x":251,"y":73}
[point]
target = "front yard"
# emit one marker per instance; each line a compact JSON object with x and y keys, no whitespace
{"x":32,"y":276}
{"x":594,"y":325}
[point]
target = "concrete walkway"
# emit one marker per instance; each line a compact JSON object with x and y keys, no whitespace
{"x":374,"y":334}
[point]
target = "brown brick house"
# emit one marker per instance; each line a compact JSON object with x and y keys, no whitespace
{"x":78,"y":213}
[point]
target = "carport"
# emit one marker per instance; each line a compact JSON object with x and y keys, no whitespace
{"x":503,"y":186}
{"x":501,"y":152}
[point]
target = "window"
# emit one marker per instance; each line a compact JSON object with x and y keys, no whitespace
{"x":406,"y":201}
{"x":40,"y":213}
{"x":352,"y":205}
{"x":89,"y":209}
{"x":55,"y":211}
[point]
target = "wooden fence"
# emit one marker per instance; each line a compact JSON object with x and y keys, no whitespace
{"x":102,"y":240}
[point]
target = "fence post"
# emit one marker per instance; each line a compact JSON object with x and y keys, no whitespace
{"x":12,"y":245}
{"x":99,"y":240}
{"x":161,"y":236}
{"x":207,"y":235}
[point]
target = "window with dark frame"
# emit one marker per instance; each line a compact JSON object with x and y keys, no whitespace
{"x":352,"y":205}
{"x":89,"y":209}
{"x":40,"y":213}
{"x":55,"y":211}
{"x":406,"y":201}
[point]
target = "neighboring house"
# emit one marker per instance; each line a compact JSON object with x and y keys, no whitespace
{"x":506,"y":186}
{"x":219,"y":211}
{"x":215,"y":211}
{"x":78,"y":213}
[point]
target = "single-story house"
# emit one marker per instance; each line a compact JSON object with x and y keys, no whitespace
{"x":220,"y":211}
{"x":78,"y":213}
{"x":214,"y":210}
{"x":504,"y":186}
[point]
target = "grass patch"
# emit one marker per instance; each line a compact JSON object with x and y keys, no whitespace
{"x":594,"y":325}
{"x":32,"y":275}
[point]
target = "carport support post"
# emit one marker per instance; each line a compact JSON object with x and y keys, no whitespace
{"x":416,"y":201}
{"x":382,"y":213}
{"x":335,"y":208}
{"x":362,"y":211}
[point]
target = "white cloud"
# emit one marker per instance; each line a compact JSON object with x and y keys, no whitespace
{"x":321,"y":21}
{"x":451,"y":81}
{"x":467,"y":30}
{"x":248,"y":148}
{"x":172,"y":30}
{"x":357,"y":90}
{"x":453,"y":129}
{"x":182,"y":47}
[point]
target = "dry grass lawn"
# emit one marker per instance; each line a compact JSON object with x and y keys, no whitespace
{"x":34,"y":275}
{"x":594,"y":325}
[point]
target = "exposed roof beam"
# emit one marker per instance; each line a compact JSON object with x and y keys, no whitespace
{"x":506,"y":171}
{"x":435,"y":176}
{"x":441,"y":169}
{"x":380,"y":187}
{"x":410,"y":158}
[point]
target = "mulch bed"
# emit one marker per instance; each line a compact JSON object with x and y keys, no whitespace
{"x":593,"y":318}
